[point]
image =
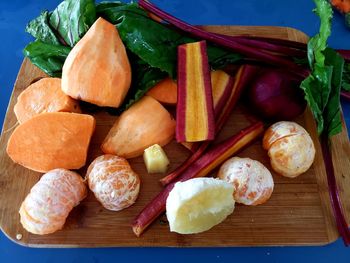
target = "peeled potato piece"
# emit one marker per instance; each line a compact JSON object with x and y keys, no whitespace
{"x":50,"y":200}
{"x":198,"y":204}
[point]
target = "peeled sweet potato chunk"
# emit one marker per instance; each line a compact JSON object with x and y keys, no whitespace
{"x":52,"y":140}
{"x":145,"y":123}
{"x":42,"y":96}
{"x":165,"y":91}
{"x":97,"y":70}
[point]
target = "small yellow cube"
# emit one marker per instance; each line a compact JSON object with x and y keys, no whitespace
{"x":155,"y":159}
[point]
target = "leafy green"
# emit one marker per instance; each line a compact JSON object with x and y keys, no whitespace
{"x":346,"y":77}
{"x":41,"y":30}
{"x":219,"y":58}
{"x":54,"y":31}
{"x":72,"y":18}
{"x":50,"y":58}
{"x":318,"y":43}
{"x":322,"y":86}
{"x":332,"y":112}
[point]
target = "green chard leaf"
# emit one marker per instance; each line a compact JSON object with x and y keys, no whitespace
{"x":41,"y":30}
{"x":48,"y":57}
{"x":72,"y":18}
{"x":322,"y":86}
{"x":318,"y":43}
{"x":346,"y":77}
{"x":332,"y":112}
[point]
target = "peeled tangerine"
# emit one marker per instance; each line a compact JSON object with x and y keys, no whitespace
{"x":199,"y":204}
{"x":290,"y":148}
{"x":113,"y":182}
{"x":45,"y":95}
{"x":97,"y":70}
{"x":50,"y":200}
{"x":252,"y":181}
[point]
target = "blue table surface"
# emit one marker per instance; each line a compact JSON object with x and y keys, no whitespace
{"x":14,"y":14}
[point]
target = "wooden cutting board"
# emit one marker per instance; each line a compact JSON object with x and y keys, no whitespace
{"x":298,"y":213}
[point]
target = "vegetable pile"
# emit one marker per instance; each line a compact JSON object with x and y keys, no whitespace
{"x":152,"y":49}
{"x":91,"y":45}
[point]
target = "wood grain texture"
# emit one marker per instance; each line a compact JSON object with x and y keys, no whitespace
{"x":298,"y":213}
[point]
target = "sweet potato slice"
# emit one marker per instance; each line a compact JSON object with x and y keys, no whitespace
{"x":164,"y":92}
{"x":145,"y":123}
{"x":52,"y":140}
{"x":97,"y":70}
{"x":42,"y":96}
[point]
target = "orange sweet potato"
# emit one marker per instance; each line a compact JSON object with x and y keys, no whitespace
{"x":42,"y":96}
{"x":97,"y":70}
{"x":145,"y":123}
{"x":164,"y":92}
{"x":52,"y":140}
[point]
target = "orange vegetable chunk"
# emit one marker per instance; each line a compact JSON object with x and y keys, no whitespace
{"x":97,"y":70}
{"x":194,"y":110}
{"x":165,"y":91}
{"x":45,"y":95}
{"x":52,"y":140}
{"x":145,"y":123}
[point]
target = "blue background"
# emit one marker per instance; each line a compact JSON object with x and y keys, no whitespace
{"x":14,"y":14}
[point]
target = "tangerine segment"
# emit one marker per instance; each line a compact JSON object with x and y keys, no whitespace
{"x":293,"y":155}
{"x":50,"y":200}
{"x":252,"y":181}
{"x":115,"y":185}
{"x":280,"y":130}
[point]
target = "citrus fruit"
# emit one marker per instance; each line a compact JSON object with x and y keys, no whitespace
{"x":113,"y":182}
{"x":252,"y":181}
